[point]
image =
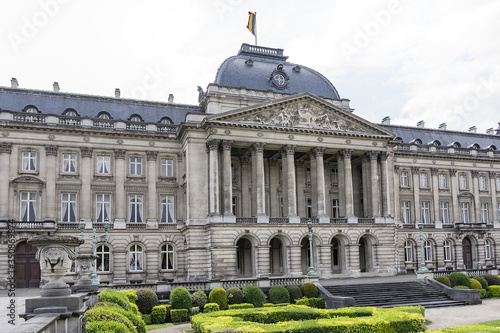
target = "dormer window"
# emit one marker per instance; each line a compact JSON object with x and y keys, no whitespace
{"x":492,"y":147}
{"x":135,"y":118}
{"x":70,"y":113}
{"x":416,"y":141}
{"x":103,"y":115}
{"x":166,"y":121}
{"x":475,"y":146}
{"x":31,"y":109}
{"x":456,"y":145}
{"x":436,"y":143}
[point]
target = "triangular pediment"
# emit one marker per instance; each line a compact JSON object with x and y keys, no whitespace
{"x":299,"y":112}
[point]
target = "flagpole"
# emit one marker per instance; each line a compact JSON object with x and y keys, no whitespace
{"x":255,"y":28}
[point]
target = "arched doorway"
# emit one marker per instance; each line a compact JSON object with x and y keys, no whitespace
{"x":244,"y":257}
{"x":467,"y":253}
{"x":27,"y":267}
{"x":338,"y":257}
{"x":277,"y":257}
{"x":365,"y":254}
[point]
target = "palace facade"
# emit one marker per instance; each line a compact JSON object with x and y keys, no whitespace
{"x":224,"y":190}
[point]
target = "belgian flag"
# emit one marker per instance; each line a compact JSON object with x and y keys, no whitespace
{"x":252,"y":23}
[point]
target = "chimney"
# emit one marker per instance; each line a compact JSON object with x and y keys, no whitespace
{"x":443,"y":126}
{"x":472,"y":129}
{"x":386,"y":120}
{"x":490,"y":131}
{"x":117,"y":93}
{"x":171,"y":98}
{"x":421,"y":123}
{"x":14,"y":83}
{"x":56,"y":87}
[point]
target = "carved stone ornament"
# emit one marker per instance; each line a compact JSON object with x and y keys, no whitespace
{"x":258,"y":147}
{"x":151,"y":155}
{"x":86,"y":151}
{"x":453,"y":172}
{"x":51,"y":150}
{"x":120,"y":153}
{"x":6,"y":147}
{"x":213,"y":144}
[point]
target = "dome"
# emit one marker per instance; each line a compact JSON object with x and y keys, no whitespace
{"x":262,"y":68}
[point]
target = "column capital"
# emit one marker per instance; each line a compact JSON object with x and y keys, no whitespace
{"x":434,"y":171}
{"x":415,"y":170}
{"x":475,"y":173}
{"x":213,"y":144}
{"x":453,"y":172}
{"x":151,"y":155}
{"x":319,"y":151}
{"x":245,"y":160}
{"x":258,"y":147}
{"x":120,"y":153}
{"x":373,"y":155}
{"x":396,"y":169}
{"x":340,"y":157}
{"x":384,"y":155}
{"x":365,"y":158}
{"x":227,"y":144}
{"x":347,"y":153}
{"x":51,"y":150}
{"x":179,"y":157}
{"x":6,"y":147}
{"x":492,"y":174}
{"x":86,"y":151}
{"x":290,"y":149}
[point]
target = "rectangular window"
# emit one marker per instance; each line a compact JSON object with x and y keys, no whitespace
{"x":234,"y":205}
{"x":28,"y":162}
{"x":405,"y":211}
{"x":443,"y":181}
{"x":484,"y":213}
{"x":136,"y":166}
{"x":68,"y":207}
{"x":167,"y":167}
{"x":403,"y":178}
{"x":167,"y":209}
{"x":482,"y":183}
{"x":408,"y":252}
{"x":69,"y":163}
{"x":103,"y":164}
{"x":426,"y":217}
{"x":103,"y":207}
{"x":463,"y":181}
{"x":428,"y":251}
{"x":335,"y":209}
{"x":309,"y":207}
{"x":135,"y":208}
{"x":423,"y":180}
{"x":487,"y":249}
{"x":335,"y":176}
{"x":28,"y":206}
{"x":308,"y":175}
{"x":464,"y":207}
{"x":447,"y":251}
{"x":445,"y":216}
{"x":102,"y":263}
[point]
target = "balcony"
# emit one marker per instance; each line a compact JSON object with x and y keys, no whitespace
{"x":30,"y":225}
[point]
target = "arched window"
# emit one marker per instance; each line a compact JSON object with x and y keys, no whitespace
{"x":456,"y":144}
{"x":416,"y":141}
{"x":102,"y":263}
{"x":408,"y":251}
{"x":447,"y":251}
{"x":167,"y":257}
{"x":135,"y":118}
{"x":104,"y":115}
{"x":487,"y":249}
{"x":428,"y":251}
{"x":435,"y":143}
{"x":135,"y":258}
{"x":492,"y":147}
{"x":31,"y":109}
{"x":475,"y":146}
{"x":70,"y":113}
{"x":166,"y":121}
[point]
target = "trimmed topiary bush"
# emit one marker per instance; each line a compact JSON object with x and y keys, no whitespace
{"x":294,"y":292}
{"x":483,"y":281}
{"x":107,"y":304}
{"x":106,"y":327}
{"x":168,"y":308}
{"x":194,"y":311}
{"x":139,"y":324}
{"x":268,"y":305}
{"x":484,"y":293}
{"x":317,"y":302}
{"x":302,"y":301}
{"x":241,"y":306}
{"x":179,"y":315}
{"x":254,"y":295}
{"x":199,"y":299}
{"x":135,"y":309}
{"x":444,"y":280}
{"x":461,"y":287}
{"x":218,"y":295}
{"x":113,"y":296}
{"x":146,"y":300}
{"x":494,"y":291}
{"x":211,"y":307}
{"x":147,"y":318}
{"x":278,"y":294}
{"x":492,"y":280}
{"x":234,"y":295}
{"x":475,"y":284}
{"x":461,"y":279}
{"x":158,"y":314}
{"x":309,"y":290}
{"x":103,"y":314}
{"x":452,"y":282}
{"x":131,"y":295}
{"x":180,"y":298}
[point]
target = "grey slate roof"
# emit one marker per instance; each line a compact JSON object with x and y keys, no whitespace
{"x":446,"y":138}
{"x":235,"y":73}
{"x":15,"y":99}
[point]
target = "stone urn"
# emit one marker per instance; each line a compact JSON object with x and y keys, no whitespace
{"x":56,"y":255}
{"x":84,"y":267}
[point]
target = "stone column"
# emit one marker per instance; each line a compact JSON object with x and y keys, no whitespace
{"x":416,"y":193}
{"x":375,"y":192}
{"x":494,"y":202}
{"x":120,"y":200}
{"x":246,"y":201}
{"x":292,"y":189}
{"x":354,"y":260}
{"x":385,"y":184}
{"x":301,"y":180}
{"x":435,"y":197}
{"x":152,"y":196}
{"x":454,"y":195}
{"x":349,"y":199}
{"x":341,"y":184}
{"x":86,"y":194}
{"x":258,"y":151}
{"x":320,"y":176}
{"x":213,"y":176}
{"x":5,"y":150}
{"x":273,"y":186}
{"x":397,"y":205}
{"x":227,"y":177}
{"x":365,"y":172}
{"x":284,"y":185}
{"x":263,"y":264}
{"x":313,"y":184}
{"x":295,"y":260}
{"x":50,"y":184}
{"x":477,"y":201}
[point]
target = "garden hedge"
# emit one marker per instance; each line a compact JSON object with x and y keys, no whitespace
{"x":279,"y":294}
{"x":254,"y":295}
{"x":234,"y":295}
{"x":131,"y":295}
{"x":146,"y":300}
{"x":219,"y":296}
{"x":106,"y":327}
{"x":113,"y":296}
{"x":468,"y":329}
{"x":180,"y":298}
{"x":461,"y":279}
{"x":136,"y":320}
{"x":179,"y":315}
{"x":102,"y":314}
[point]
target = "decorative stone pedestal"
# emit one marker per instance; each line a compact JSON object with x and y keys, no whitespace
{"x":84,"y":267}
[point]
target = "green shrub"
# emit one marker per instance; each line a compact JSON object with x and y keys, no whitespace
{"x":475,"y":284}
{"x":199,"y":299}
{"x":106,"y":327}
{"x":179,"y":315}
{"x":461,"y":279}
{"x":131,"y":295}
{"x":468,"y":329}
{"x":146,"y":300}
{"x":294,"y":292}
{"x":444,"y":280}
{"x":282,"y":304}
{"x":168,"y":308}
{"x":211,"y":307}
{"x":103,"y":314}
{"x":234,"y":295}
{"x":113,"y":296}
{"x":254,"y":295}
{"x":180,"y":298}
{"x":267,"y":305}
{"x":494,"y":291}
{"x":302,"y":301}
{"x":218,"y":295}
{"x":452,"y":282}
{"x":194,"y":311}
{"x":461,"y":287}
{"x":158,"y":314}
{"x":139,"y":324}
{"x":147,"y":318}
{"x":317,"y":302}
{"x":135,"y":308}
{"x":309,"y":290}
{"x":483,"y":281}
{"x":241,"y":306}
{"x":484,"y":293}
{"x":107,"y":304}
{"x":492,"y":280}
{"x":279,"y":294}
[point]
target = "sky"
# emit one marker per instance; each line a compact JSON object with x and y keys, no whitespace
{"x":437,"y":61}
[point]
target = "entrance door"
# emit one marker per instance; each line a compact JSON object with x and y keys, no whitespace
{"x":362,"y":254}
{"x":27,"y":267}
{"x":467,"y":251}
{"x":276,"y":254}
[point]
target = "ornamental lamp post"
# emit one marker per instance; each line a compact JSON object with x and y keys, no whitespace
{"x":81,"y":226}
{"x":423,"y":268}
{"x":311,"y":272}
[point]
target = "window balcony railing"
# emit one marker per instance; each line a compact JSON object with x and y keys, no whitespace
{"x":246,"y":220}
{"x":366,"y":220}
{"x":134,"y":126}
{"x":278,"y":220}
{"x":29,"y":118}
{"x":103,"y":123}
{"x":28,"y":224}
{"x":70,"y":121}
